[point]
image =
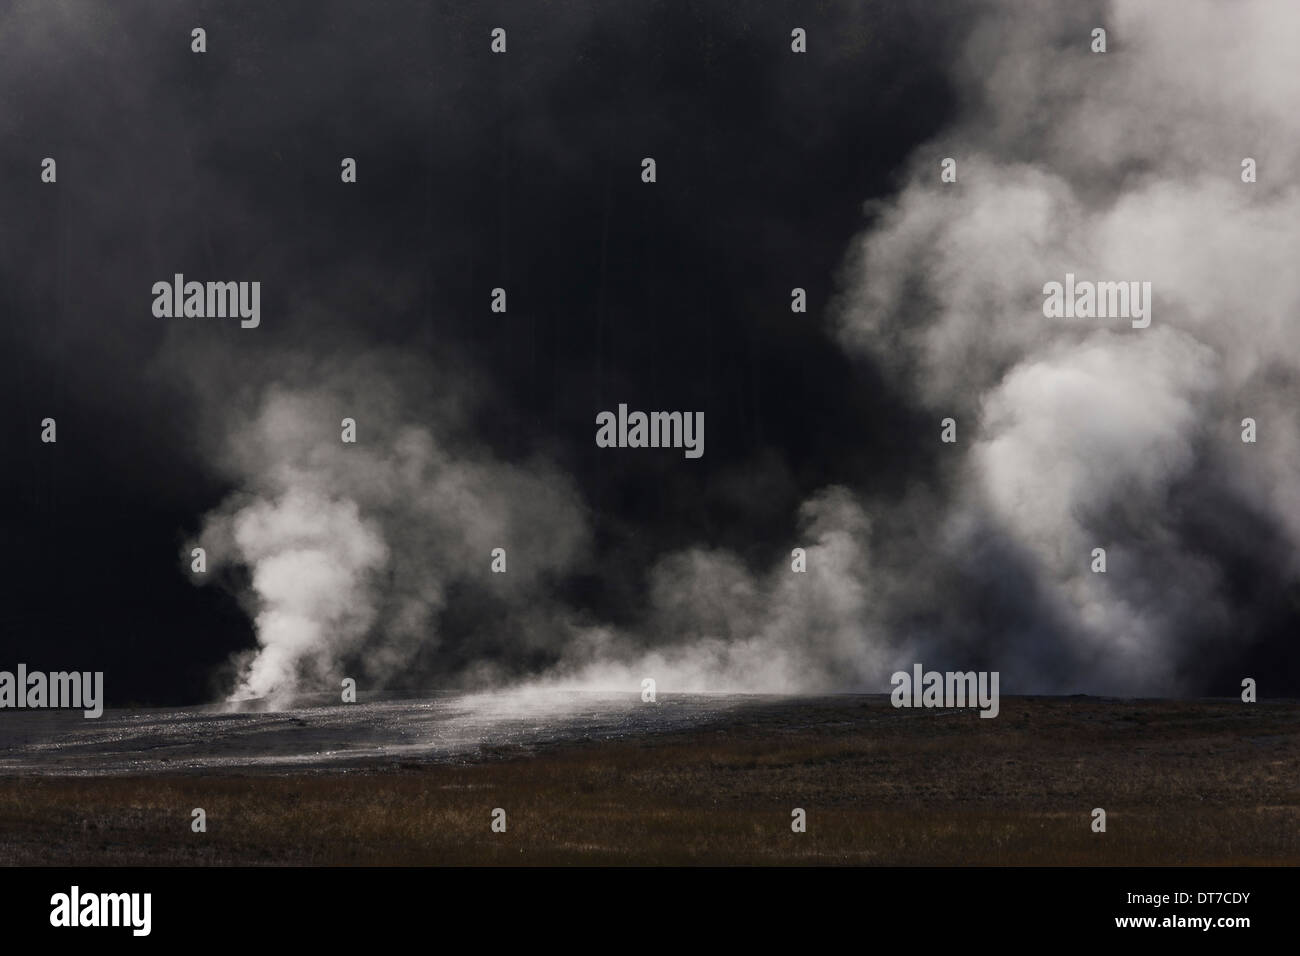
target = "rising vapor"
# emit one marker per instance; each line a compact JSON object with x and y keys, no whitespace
{"x":1080,"y":434}
{"x":1073,"y":434}
{"x":352,"y":550}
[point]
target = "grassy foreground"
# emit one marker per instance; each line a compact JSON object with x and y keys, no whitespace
{"x":1182,"y":782}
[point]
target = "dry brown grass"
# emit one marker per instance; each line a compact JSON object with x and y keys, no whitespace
{"x":1181,"y":782}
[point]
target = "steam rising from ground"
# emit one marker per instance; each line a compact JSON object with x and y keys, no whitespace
{"x":1073,"y":434}
{"x":353,"y":548}
{"x":1082,"y":433}
{"x":713,"y":625}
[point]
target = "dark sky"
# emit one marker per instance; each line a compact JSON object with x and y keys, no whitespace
{"x":474,"y":171}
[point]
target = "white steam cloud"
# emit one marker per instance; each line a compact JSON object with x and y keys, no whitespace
{"x":1084,"y":433}
{"x":352,"y":548}
{"x":715,"y":626}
